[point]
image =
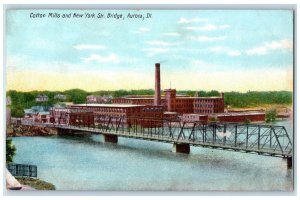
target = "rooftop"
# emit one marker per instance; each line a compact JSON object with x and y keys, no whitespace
{"x":163,"y":97}
{"x":240,"y":113}
{"x":194,"y":114}
{"x":107,"y":105}
{"x":170,"y":113}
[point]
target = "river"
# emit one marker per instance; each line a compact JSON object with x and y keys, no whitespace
{"x":84,"y":162}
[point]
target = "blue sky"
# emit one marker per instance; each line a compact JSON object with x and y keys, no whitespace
{"x":199,"y":49}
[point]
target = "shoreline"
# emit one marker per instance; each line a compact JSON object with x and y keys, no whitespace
{"x":35,"y":184}
{"x":26,"y":130}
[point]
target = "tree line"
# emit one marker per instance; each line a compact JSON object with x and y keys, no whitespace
{"x":22,"y":100}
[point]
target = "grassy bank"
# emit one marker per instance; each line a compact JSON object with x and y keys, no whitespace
{"x":36,"y":183}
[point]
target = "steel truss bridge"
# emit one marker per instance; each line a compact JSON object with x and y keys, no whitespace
{"x":249,"y":138}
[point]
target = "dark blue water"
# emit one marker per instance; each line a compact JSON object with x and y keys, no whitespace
{"x":84,"y":162}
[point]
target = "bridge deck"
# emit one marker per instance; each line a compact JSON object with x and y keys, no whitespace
{"x":250,"y":138}
{"x":168,"y":139}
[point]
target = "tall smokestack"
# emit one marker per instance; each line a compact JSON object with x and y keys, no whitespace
{"x":157,"y":85}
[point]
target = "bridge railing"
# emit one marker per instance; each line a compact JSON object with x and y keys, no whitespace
{"x":259,"y":138}
{"x":22,"y":170}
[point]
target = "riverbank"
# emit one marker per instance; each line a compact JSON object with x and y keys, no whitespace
{"x":36,"y":183}
{"x":24,"y":130}
{"x":263,"y":107}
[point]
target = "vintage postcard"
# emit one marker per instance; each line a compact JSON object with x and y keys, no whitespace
{"x":149,"y":100}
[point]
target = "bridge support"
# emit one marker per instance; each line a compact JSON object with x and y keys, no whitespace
{"x":61,"y":131}
{"x":289,"y":162}
{"x":110,"y":138}
{"x":181,"y":148}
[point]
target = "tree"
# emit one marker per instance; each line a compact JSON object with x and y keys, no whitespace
{"x":17,"y":111}
{"x":10,"y":151}
{"x":76,"y":95}
{"x":271,"y":115}
{"x":213,"y":93}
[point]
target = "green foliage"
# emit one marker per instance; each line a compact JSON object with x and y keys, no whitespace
{"x":250,"y":98}
{"x":10,"y":151}
{"x":271,"y":115}
{"x":189,"y":93}
{"x":17,"y":111}
{"x":76,"y":95}
{"x":212,"y":93}
{"x":120,"y":93}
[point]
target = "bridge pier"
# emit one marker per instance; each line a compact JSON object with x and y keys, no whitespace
{"x":181,"y":148}
{"x":289,"y":161}
{"x":61,"y":131}
{"x":110,"y":138}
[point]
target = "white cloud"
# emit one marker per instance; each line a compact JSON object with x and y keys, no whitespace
{"x":270,"y":46}
{"x":161,"y":43}
{"x":172,"y":34}
{"x":183,"y":20}
{"x":218,"y":49}
{"x":154,"y":51}
{"x":89,"y":47}
{"x":103,"y":33}
{"x":142,"y":30}
{"x":224,"y":26}
{"x":197,"y":62}
{"x":234,"y":53}
{"x":202,"y":38}
{"x":225,"y":50}
{"x":208,"y":27}
{"x":38,"y":43}
{"x":111,"y":58}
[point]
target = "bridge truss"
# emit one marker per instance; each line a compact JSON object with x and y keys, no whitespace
{"x":251,"y":138}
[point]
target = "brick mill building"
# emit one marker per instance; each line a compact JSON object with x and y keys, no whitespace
{"x":172,"y":102}
{"x":91,"y":114}
{"x":167,"y":106}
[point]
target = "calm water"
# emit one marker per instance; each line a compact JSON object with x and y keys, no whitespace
{"x":84,"y":162}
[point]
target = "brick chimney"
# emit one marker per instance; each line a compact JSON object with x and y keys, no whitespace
{"x":157,"y":96}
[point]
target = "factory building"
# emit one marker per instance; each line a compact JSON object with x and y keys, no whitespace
{"x":172,"y":102}
{"x":194,"y":118}
{"x":168,"y":106}
{"x":82,"y":113}
{"x":136,"y":100}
